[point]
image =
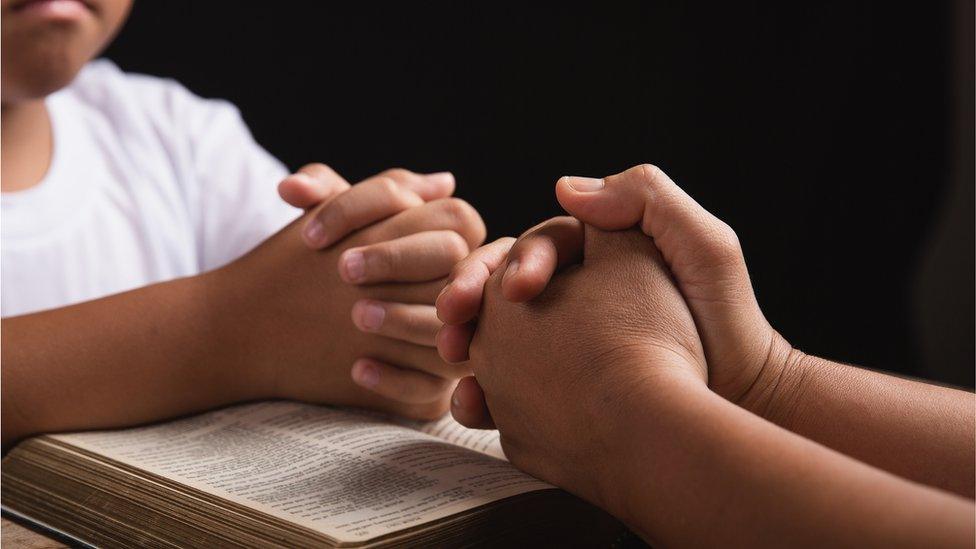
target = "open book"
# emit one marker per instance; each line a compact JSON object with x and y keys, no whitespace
{"x":289,"y":474}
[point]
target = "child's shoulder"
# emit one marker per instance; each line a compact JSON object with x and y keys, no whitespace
{"x":132,"y":98}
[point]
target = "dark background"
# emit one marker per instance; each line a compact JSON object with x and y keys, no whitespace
{"x":837,"y":139}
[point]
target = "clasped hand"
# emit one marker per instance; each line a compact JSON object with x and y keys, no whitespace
{"x":630,"y":313}
{"x":353,"y":323}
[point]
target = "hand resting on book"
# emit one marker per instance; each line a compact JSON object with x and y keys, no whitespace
{"x":382,"y":248}
{"x":350,"y":324}
{"x":337,"y":210}
{"x":596,"y":379}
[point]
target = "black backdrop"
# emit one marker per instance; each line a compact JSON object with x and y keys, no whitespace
{"x":823,"y":133}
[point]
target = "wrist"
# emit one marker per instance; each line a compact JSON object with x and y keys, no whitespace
{"x":773,"y":394}
{"x":233,"y":341}
{"x":638,"y":416}
{"x":646,"y":446}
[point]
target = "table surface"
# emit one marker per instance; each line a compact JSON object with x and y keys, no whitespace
{"x":13,"y":534}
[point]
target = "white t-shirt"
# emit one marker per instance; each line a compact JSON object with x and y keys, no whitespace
{"x":148,"y":182}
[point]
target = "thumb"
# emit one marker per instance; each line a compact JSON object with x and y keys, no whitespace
{"x":311,"y":185}
{"x":619,"y":206}
{"x":699,"y":248}
{"x":702,"y":252}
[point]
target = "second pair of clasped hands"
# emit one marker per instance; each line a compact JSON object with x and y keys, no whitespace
{"x":623,"y":356}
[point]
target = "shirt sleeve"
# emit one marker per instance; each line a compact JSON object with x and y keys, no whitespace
{"x":236,"y":180}
{"x":198,"y":155}
{"x":227,"y":181}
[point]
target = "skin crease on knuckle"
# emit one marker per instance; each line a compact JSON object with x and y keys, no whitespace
{"x":335,"y":215}
{"x":464,"y":219}
{"x":469,"y":268}
{"x":393,"y":195}
{"x":649,"y":172}
{"x":398,"y":174}
{"x":387,"y":185}
{"x":723,"y":246}
{"x":385,"y":260}
{"x":455,"y":246}
{"x":402,"y":198}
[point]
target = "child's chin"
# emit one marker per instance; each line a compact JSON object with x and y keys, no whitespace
{"x":36,"y":76}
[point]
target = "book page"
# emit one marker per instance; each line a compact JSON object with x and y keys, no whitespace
{"x":479,"y":440}
{"x":349,"y":475}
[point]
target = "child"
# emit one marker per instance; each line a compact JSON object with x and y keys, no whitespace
{"x":131,"y":187}
{"x":648,"y":381}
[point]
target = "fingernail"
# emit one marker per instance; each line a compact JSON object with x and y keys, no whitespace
{"x":314,"y":232}
{"x":354,"y":265}
{"x":372,"y":316}
{"x":585,"y":184}
{"x":443,"y":178}
{"x":455,"y":400}
{"x":513,"y":268}
{"x":365,"y":374}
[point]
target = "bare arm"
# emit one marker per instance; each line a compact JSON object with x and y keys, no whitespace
{"x":599,"y":386}
{"x":142,"y":355}
{"x":919,"y":431}
{"x":276,"y":323}
{"x":728,"y":477}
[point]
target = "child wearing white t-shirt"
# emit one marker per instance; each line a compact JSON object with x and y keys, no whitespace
{"x":149,"y":270}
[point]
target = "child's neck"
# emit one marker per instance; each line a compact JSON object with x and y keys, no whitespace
{"x":26,"y":144}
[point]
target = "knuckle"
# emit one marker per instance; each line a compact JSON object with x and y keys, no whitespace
{"x":406,"y":199}
{"x":649,"y":172}
{"x":723,"y":244}
{"x":387,"y":185}
{"x":459,"y":269}
{"x":459,"y":209}
{"x":335,"y":214}
{"x":455,"y":246}
{"x":398,"y":174}
{"x":386,"y":257}
{"x":446,"y":207}
{"x":729,"y":235}
{"x":460,"y":212}
{"x":398,"y":196}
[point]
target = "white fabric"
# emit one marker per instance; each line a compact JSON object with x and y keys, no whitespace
{"x":148,"y":182}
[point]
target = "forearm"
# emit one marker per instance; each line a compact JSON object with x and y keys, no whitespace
{"x":919,"y":431}
{"x":138,"y":356}
{"x":706,"y":472}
